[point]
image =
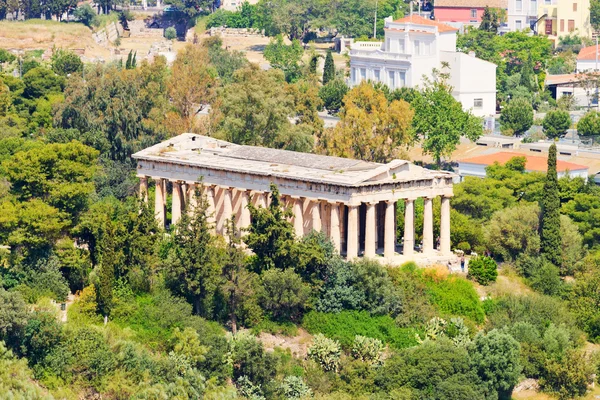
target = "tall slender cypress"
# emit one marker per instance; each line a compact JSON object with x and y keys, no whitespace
{"x":550,"y":219}
{"x":329,"y":68}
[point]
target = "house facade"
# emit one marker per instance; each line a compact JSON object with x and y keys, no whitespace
{"x":588,"y":59}
{"x":413,"y":47}
{"x":563,"y":17}
{"x":467,"y":12}
{"x":521,"y":14}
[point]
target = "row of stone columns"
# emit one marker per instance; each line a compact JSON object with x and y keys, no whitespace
{"x":224,"y":202}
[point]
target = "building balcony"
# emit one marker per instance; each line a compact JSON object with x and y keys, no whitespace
{"x":380,"y":55}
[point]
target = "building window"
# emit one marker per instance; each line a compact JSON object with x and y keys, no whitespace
{"x":401,"y":46}
{"x":363,"y":74}
{"x":417,"y":49}
{"x":478,"y":104}
{"x":518,"y":25}
{"x":574,"y":6}
{"x":519,"y":5}
{"x":376,"y":76}
{"x":533,"y":8}
{"x":392,"y":79}
{"x":548,"y":2}
{"x":474,"y":13}
{"x":548,"y":27}
{"x":562,"y":25}
{"x":402,"y":80}
{"x":353,"y":75}
{"x":571,"y":25}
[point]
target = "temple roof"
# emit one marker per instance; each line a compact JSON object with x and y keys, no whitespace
{"x":202,"y":151}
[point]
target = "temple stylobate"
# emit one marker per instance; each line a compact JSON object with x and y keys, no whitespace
{"x":353,"y":202}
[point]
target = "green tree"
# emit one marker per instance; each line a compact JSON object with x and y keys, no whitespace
{"x":271,"y":235}
{"x":595,"y":14}
{"x":40,"y":82}
{"x":193,"y":259}
{"x":589,"y":124}
{"x":568,"y":377}
{"x":550,"y":213}
{"x":66,"y":62}
{"x":328,"y":68}
{"x":16,"y":379}
{"x":440,"y":120}
{"x":111,"y":260}
{"x":170,"y":33}
{"x":517,"y":117}
{"x":491,"y":19}
{"x":85,"y":14}
{"x":556,"y":123}
{"x":225,"y":62}
{"x":513,"y":231}
{"x":333,"y":94}
{"x":285,"y":57}
{"x":13,"y":317}
{"x":284,"y":295}
{"x":483,"y":269}
{"x":495,"y":357}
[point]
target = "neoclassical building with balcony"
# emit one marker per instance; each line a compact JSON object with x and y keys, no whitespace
{"x":413,"y":47}
{"x":353,"y":202}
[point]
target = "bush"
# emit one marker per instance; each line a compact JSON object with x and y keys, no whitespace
{"x":66,"y":62}
{"x":483,"y":269}
{"x":367,"y":349}
{"x":456,"y":296}
{"x":517,"y":116}
{"x":333,"y":94}
{"x":346,"y":325}
{"x":556,"y":123}
{"x":589,"y":124}
{"x":326,"y":352}
{"x":284,"y":295}
{"x":170,"y":33}
{"x":250,"y":360}
{"x":569,"y":377}
{"x":295,"y":388}
{"x":85,"y":14}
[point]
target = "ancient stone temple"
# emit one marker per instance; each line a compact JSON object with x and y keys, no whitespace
{"x":353,"y":202}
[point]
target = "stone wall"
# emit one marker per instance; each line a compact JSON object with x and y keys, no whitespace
{"x":223,"y":31}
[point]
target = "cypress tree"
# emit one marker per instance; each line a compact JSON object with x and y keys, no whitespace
{"x":550,"y":218}
{"x":128,"y":63}
{"x":106,"y":272}
{"x":329,"y":69}
{"x":314,"y":61}
{"x":134,"y":60}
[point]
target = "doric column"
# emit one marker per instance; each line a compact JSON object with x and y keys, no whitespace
{"x":298,"y":220}
{"x":244,"y":211}
{"x":176,"y":202}
{"x":316,"y":215}
{"x":227,"y":209}
{"x":334,"y":227}
{"x":389,"y":237}
{"x":259,"y":199}
{"x":144,"y":188}
{"x":445,"y":226}
{"x":190,"y":195}
{"x":352,"y":245}
{"x":211,"y":210}
{"x":427,"y":225}
{"x":409,"y":227}
{"x":159,"y":202}
{"x":370,"y":231}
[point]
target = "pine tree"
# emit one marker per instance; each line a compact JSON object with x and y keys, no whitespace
{"x":329,"y":69}
{"x":314,"y":61}
{"x":486,"y":20}
{"x":128,"y":63}
{"x":550,"y":218}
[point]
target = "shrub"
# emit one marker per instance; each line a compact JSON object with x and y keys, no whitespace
{"x":456,"y":296}
{"x":367,"y":349}
{"x":345,"y":325}
{"x":333,"y":94}
{"x":326,"y":352}
{"x":556,"y":123}
{"x":295,"y":388}
{"x":66,"y":62}
{"x":85,"y":14}
{"x":483,"y":269}
{"x":284,"y":295}
{"x":569,"y":377}
{"x":589,"y":124}
{"x":170,"y":33}
{"x":250,"y":360}
{"x":87,"y":301}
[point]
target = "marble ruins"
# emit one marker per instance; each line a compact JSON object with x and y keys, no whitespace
{"x":353,"y":202}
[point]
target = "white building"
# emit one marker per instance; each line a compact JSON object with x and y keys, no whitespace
{"x":412,"y":48}
{"x":521,"y":13}
{"x":588,"y":59}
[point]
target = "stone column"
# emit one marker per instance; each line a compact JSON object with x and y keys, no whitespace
{"x":298,"y":220}
{"x":334,"y":227}
{"x":211,"y":210}
{"x":176,"y":202}
{"x":409,"y":227}
{"x":316,"y":215}
{"x":260,"y":200}
{"x":159,"y":202}
{"x":445,"y":226}
{"x":244,"y":211}
{"x":389,"y":237}
{"x":427,"y":225}
{"x":144,"y":188}
{"x":190,"y":194}
{"x":352,"y":245}
{"x":370,"y":228}
{"x":227,"y":209}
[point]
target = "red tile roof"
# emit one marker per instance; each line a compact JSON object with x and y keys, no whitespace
{"x":418,"y":20}
{"x":587,"y":53}
{"x":503,"y":4}
{"x":533,"y":163}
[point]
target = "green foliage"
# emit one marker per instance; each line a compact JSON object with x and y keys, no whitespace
{"x":6,"y":56}
{"x":545,"y":278}
{"x":550,"y":235}
{"x":40,"y":82}
{"x":13,"y":316}
{"x":85,"y":14}
{"x":295,"y":388}
{"x":42,"y":334}
{"x":495,"y":357}
{"x":455,"y":330}
{"x":517,"y":116}
{"x":491,"y":19}
{"x":368,"y":349}
{"x":568,"y":377}
{"x":333,"y":94}
{"x":66,"y":62}
{"x":514,"y":231}
{"x":556,"y":123}
{"x":225,"y":62}
{"x":170,"y":33}
{"x":595,"y":13}
{"x":346,"y":325}
{"x":111,"y":257}
{"x":483,"y":269}
{"x":16,"y":380}
{"x":285,"y":57}
{"x":284,"y":294}
{"x":456,"y":296}
{"x":328,"y":68}
{"x":589,"y":124}
{"x":250,"y":360}
{"x":326,"y":352}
